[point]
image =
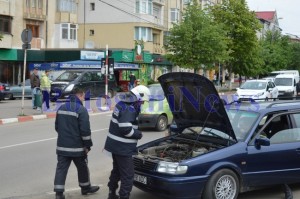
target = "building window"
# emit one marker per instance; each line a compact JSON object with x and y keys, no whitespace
{"x":92,"y":32}
{"x":34,"y":29}
{"x":92,"y":6}
{"x":157,"y":12}
{"x":5,"y":24}
{"x":69,"y":31}
{"x":185,"y":2}
{"x":144,"y":7}
{"x":143,"y":33}
{"x":174,"y":15}
{"x":33,"y":3}
{"x":67,"y":6}
{"x":28,"y":3}
{"x":40,"y":4}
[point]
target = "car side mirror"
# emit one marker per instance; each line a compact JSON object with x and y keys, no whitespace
{"x":261,"y":142}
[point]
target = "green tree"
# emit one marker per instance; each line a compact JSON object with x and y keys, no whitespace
{"x":197,"y":41}
{"x":1,"y":37}
{"x":277,"y":51}
{"x":295,"y":56}
{"x":241,"y":26}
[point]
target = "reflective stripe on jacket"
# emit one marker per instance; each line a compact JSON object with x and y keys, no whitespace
{"x":73,"y":127}
{"x":123,"y":130}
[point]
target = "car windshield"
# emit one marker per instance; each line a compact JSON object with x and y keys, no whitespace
{"x":254,"y":85}
{"x":69,"y":76}
{"x":283,"y":81}
{"x":242,"y":122}
{"x":157,"y":93}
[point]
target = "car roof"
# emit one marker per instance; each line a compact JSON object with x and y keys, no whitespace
{"x":264,"y":106}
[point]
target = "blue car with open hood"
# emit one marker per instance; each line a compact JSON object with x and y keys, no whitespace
{"x":219,"y":149}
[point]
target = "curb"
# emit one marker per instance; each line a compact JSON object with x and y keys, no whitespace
{"x":42,"y":116}
{"x":27,"y":118}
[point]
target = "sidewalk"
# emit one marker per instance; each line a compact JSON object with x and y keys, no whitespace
{"x":12,"y":111}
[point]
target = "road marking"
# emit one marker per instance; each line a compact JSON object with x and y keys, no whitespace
{"x":43,"y":140}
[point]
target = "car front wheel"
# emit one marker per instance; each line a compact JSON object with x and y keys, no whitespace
{"x":162,"y":123}
{"x":224,"y":184}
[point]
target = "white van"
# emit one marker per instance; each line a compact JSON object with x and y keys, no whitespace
{"x":286,"y":84}
{"x":278,"y":72}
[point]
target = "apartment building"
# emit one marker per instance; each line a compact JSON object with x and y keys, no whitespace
{"x":53,"y":25}
{"x":269,"y":21}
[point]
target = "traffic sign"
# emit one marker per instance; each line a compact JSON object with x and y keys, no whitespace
{"x":26,"y":36}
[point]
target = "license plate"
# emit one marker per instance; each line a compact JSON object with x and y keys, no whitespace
{"x":55,"y":94}
{"x":141,"y":179}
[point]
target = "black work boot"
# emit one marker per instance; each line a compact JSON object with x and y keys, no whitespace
{"x":288,"y":192}
{"x":90,"y":189}
{"x":113,"y":196}
{"x":59,"y":195}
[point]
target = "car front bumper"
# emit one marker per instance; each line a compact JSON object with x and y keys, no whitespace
{"x":173,"y":187}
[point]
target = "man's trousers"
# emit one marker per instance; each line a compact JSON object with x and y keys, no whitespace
{"x":63,"y":164}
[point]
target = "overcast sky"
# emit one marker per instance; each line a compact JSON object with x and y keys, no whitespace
{"x":288,"y":10}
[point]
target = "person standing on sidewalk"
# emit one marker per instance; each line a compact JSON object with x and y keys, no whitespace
{"x":46,"y":87}
{"x":122,"y":139}
{"x":35,"y":85}
{"x":73,"y":144}
{"x":132,"y":80}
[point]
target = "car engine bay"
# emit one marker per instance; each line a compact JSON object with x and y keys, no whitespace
{"x":176,"y":150}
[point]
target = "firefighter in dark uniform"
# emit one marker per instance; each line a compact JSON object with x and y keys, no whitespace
{"x":73,"y":144}
{"x":122,"y":140}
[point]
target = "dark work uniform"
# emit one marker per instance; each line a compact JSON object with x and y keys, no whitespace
{"x":74,"y":137}
{"x":121,"y":141}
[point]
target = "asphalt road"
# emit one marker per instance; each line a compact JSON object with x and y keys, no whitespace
{"x":28,"y":161}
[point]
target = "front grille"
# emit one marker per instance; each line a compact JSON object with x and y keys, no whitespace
{"x":57,"y":87}
{"x":144,"y":164}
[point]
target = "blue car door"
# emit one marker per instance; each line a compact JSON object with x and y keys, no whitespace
{"x":279,"y":162}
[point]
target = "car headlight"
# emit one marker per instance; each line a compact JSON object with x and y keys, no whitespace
{"x":260,"y":94}
{"x":69,"y":88}
{"x":289,"y":90}
{"x":171,"y":168}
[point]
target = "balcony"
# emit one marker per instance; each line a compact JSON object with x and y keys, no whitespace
{"x":159,"y":2}
{"x":37,"y":43}
{"x":34,"y":16}
{"x":158,"y":49}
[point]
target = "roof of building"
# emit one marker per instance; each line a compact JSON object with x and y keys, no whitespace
{"x":266,"y":15}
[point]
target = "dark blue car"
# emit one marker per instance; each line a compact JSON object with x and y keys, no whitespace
{"x":217,"y":150}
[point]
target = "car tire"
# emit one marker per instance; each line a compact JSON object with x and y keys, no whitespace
{"x":224,"y":184}
{"x":162,"y":123}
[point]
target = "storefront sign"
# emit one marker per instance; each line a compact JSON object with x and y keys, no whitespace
{"x":126,"y":66}
{"x":91,"y":55}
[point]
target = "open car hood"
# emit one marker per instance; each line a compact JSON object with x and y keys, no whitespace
{"x":194,"y":101}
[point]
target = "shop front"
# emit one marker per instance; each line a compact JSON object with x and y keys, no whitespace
{"x":131,"y":61}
